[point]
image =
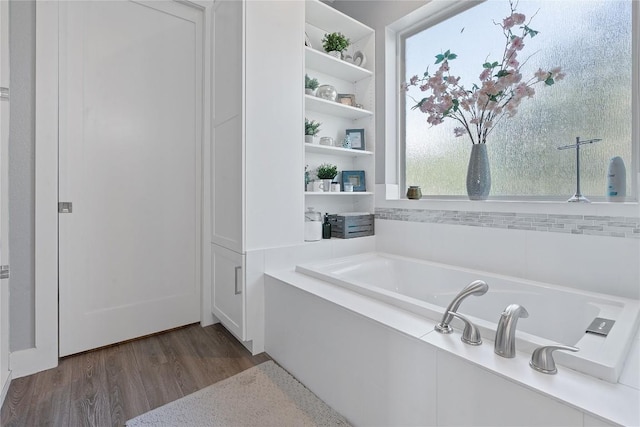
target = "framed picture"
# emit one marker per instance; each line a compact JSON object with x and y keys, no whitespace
{"x":357,"y":138}
{"x":355,"y":178}
{"x":347,"y":99}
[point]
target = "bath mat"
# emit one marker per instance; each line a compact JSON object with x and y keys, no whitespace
{"x":265,"y":395}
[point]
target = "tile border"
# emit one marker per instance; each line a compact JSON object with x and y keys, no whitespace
{"x":609,"y":226}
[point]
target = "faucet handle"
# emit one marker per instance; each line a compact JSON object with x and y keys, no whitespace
{"x":471,"y":334}
{"x":542,"y":358}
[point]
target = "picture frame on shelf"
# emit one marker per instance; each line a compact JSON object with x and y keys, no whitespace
{"x":347,"y":99}
{"x":356,"y":178}
{"x":357,"y":138}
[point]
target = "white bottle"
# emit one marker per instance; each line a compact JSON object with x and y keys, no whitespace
{"x":616,"y":180}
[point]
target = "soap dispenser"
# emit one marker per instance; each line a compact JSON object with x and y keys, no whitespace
{"x":326,"y":227}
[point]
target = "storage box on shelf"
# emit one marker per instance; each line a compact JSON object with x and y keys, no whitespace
{"x":335,"y":117}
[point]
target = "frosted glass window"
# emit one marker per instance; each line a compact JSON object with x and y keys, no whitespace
{"x":590,"y":40}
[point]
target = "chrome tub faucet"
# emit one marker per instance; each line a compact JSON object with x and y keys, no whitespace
{"x":477,"y":287}
{"x":505,"y":344}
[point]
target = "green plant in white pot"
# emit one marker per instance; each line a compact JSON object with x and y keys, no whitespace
{"x":311,"y":129}
{"x":326,"y":172}
{"x":310,"y":85}
{"x":335,"y":43}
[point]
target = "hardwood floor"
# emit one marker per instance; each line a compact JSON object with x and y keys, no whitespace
{"x":106,"y":387}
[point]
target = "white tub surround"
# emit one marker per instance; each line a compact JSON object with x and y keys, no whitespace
{"x":557,"y":315}
{"x":378,"y":364}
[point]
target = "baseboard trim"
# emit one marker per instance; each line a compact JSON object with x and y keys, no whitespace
{"x":30,"y":361}
{"x":6,"y":382}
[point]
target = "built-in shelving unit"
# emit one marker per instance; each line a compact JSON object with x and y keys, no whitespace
{"x":336,"y":151}
{"x":317,"y":60}
{"x":313,"y":103}
{"x":336,"y":118}
{"x":340,"y":194}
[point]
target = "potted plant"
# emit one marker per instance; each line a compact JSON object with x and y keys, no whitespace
{"x":326,"y":172}
{"x":311,"y":129}
{"x":335,"y":43}
{"x":310,"y":85}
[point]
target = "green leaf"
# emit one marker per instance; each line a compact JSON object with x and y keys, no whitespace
{"x":439,"y":58}
{"x":452,"y":56}
{"x":532,"y":33}
{"x":549,"y":81}
{"x":502,"y":73}
{"x":419,"y":104}
{"x":486,"y":65}
{"x":447,"y":53}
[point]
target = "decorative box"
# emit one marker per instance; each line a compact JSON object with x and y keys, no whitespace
{"x":351,"y":224}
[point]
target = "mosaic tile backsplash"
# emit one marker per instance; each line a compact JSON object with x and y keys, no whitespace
{"x":611,"y":226}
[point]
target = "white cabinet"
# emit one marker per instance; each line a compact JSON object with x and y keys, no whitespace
{"x":336,"y":118}
{"x":227,"y":293}
{"x":227,"y":153}
{"x":257,"y":175}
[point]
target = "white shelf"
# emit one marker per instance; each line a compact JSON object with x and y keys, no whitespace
{"x":341,"y":193}
{"x":329,"y":19}
{"x":313,"y":103}
{"x":320,"y":61}
{"x":336,"y":151}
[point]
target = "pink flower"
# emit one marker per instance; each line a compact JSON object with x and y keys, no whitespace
{"x":518,"y":18}
{"x":485,"y":75}
{"x":514,"y":19}
{"x":459,"y":132}
{"x":508,"y":22}
{"x":413,"y":80}
{"x":453,"y":80}
{"x":541,"y":75}
{"x":517,"y":43}
{"x":512,"y":62}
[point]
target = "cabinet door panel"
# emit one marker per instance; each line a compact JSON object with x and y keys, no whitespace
{"x":228,"y":135}
{"x":228,"y":290}
{"x":227,"y":188}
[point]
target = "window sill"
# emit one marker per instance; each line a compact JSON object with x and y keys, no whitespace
{"x":387,"y":197}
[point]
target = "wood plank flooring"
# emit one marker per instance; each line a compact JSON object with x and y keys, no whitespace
{"x":109,"y":386}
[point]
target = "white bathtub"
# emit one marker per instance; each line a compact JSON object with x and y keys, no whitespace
{"x":557,"y":315}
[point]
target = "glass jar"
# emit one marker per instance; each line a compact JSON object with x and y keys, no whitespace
{"x":312,"y":225}
{"x":414,"y":192}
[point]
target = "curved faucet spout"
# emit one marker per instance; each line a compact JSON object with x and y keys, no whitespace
{"x":477,"y":287}
{"x":505,"y":343}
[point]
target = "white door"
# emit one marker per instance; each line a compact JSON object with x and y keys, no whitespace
{"x":130,"y":143}
{"x":4,"y":189}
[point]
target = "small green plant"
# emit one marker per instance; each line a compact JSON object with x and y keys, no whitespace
{"x":310,"y":83}
{"x":335,"y":41}
{"x":311,"y":127}
{"x":327,"y":171}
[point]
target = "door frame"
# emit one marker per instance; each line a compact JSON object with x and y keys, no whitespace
{"x":45,"y":353}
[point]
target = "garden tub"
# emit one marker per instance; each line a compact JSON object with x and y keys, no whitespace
{"x":557,"y":314}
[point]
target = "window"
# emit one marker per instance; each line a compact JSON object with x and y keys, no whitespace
{"x":591,"y":41}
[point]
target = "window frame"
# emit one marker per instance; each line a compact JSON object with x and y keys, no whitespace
{"x":436,"y":12}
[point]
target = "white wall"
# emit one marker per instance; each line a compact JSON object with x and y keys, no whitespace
{"x":594,"y":263}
